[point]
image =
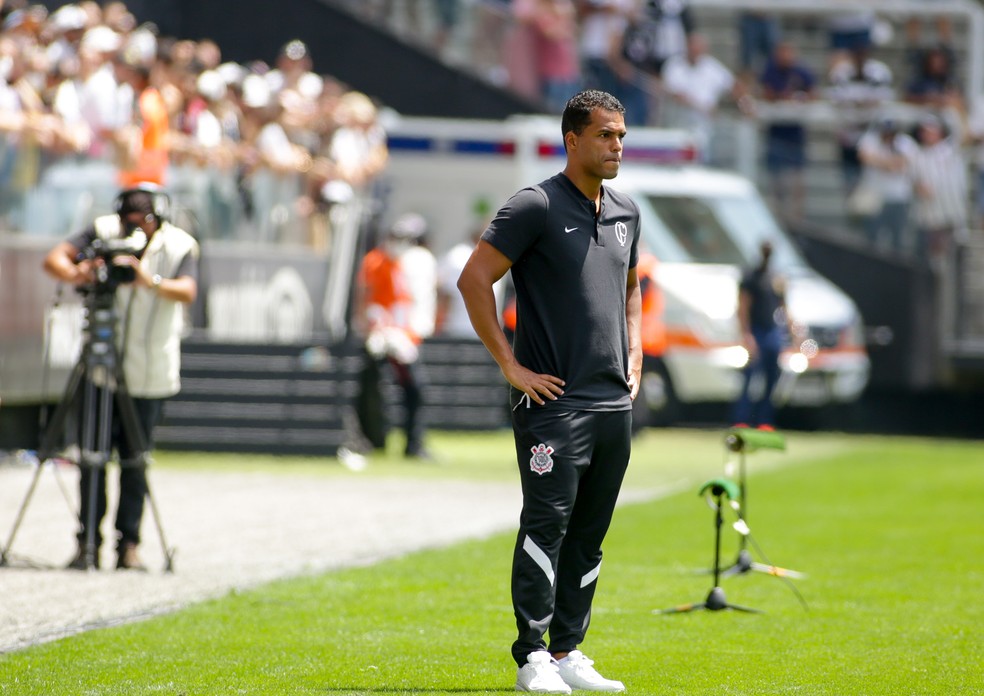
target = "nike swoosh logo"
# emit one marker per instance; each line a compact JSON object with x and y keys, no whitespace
{"x":568,"y":230}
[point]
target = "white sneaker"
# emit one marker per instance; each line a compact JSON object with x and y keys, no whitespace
{"x":541,"y":675}
{"x":577,"y":673}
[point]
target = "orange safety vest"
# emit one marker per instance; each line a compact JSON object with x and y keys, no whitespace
{"x":382,"y":282}
{"x":509,"y":315}
{"x":152,"y":160}
{"x":653,"y":327}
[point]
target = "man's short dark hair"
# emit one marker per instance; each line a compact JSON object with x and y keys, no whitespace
{"x":577,"y":113}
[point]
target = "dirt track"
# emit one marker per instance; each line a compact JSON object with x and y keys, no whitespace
{"x":230,"y":531}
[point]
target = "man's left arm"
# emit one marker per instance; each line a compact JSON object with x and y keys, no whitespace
{"x":633,"y":322}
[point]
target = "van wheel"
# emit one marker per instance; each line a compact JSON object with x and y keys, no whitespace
{"x":657,"y":395}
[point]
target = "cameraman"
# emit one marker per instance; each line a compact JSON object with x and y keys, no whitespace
{"x":155,"y":276}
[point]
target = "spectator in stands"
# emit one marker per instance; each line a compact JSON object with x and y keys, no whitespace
{"x":552,"y":30}
{"x":66,"y":26}
{"x":603,"y":66}
{"x":932,"y":79}
{"x":117,"y":17}
{"x":662,"y":29}
{"x":882,"y":197}
{"x":850,"y":31}
{"x":940,"y":207}
{"x":394,"y":311}
{"x":98,"y":96}
{"x":858,"y":83}
{"x":207,"y":146}
{"x":62,"y":95}
{"x":142,"y":138}
{"x":292,"y":71}
{"x":356,"y":150}
{"x":273,"y":161}
{"x":698,"y":81}
{"x":21,"y":111}
{"x":935,"y":83}
{"x":975,"y":137}
{"x":787,"y":79}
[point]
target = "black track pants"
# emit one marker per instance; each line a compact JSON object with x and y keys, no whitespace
{"x":571,"y":464}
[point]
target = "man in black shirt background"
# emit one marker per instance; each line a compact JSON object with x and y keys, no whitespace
{"x":571,"y":245}
{"x":761,"y":316}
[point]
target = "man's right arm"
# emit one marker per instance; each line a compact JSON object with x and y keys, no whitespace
{"x":60,"y":264}
{"x":486,"y":266}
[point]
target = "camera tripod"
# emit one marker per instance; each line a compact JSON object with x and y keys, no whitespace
{"x":96,"y":383}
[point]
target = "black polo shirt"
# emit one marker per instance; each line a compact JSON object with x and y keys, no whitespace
{"x":570,"y":270}
{"x":764,"y":300}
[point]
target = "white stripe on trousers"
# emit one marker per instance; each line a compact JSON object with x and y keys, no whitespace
{"x":539,"y":557}
{"x":591,"y":576}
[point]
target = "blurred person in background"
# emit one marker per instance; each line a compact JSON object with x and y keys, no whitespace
{"x":933,"y":79}
{"x":664,"y":28}
{"x":552,"y":30}
{"x":143,"y":138}
{"x":604,"y":67}
{"x":394,"y":312}
{"x":939,"y":173}
{"x":150,"y":310}
{"x":858,"y":82}
{"x":271,"y":160}
{"x":787,"y":79}
{"x":66,"y":25}
{"x":975,"y":137}
{"x":697,"y":82}
{"x":348,"y":161}
{"x":98,"y":101}
{"x":206,"y":150}
{"x":762,"y":318}
{"x":292,"y":71}
{"x":850,"y":30}
{"x":884,"y":151}
{"x":935,"y":85}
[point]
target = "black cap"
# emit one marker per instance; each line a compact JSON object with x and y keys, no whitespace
{"x":137,"y":202}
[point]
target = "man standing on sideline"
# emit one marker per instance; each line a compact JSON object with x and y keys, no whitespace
{"x":760,"y":302}
{"x":395,"y":307}
{"x":150,"y":311}
{"x":571,"y":244}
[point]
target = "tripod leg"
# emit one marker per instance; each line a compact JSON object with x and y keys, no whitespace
{"x":168,"y":551}
{"x":95,"y":445}
{"x":20,"y":514}
{"x":53,"y":432}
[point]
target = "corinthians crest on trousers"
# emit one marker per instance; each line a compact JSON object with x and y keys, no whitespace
{"x":541,"y":462}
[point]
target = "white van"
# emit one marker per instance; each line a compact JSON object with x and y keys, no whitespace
{"x":703,"y":225}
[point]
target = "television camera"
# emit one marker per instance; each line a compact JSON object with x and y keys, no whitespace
{"x":108,"y":274}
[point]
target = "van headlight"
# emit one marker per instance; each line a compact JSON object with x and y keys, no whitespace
{"x":798,"y":363}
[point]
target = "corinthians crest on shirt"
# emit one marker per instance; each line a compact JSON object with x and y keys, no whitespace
{"x":541,"y":462}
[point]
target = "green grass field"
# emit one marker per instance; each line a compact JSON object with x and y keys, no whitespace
{"x":888,"y":530}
